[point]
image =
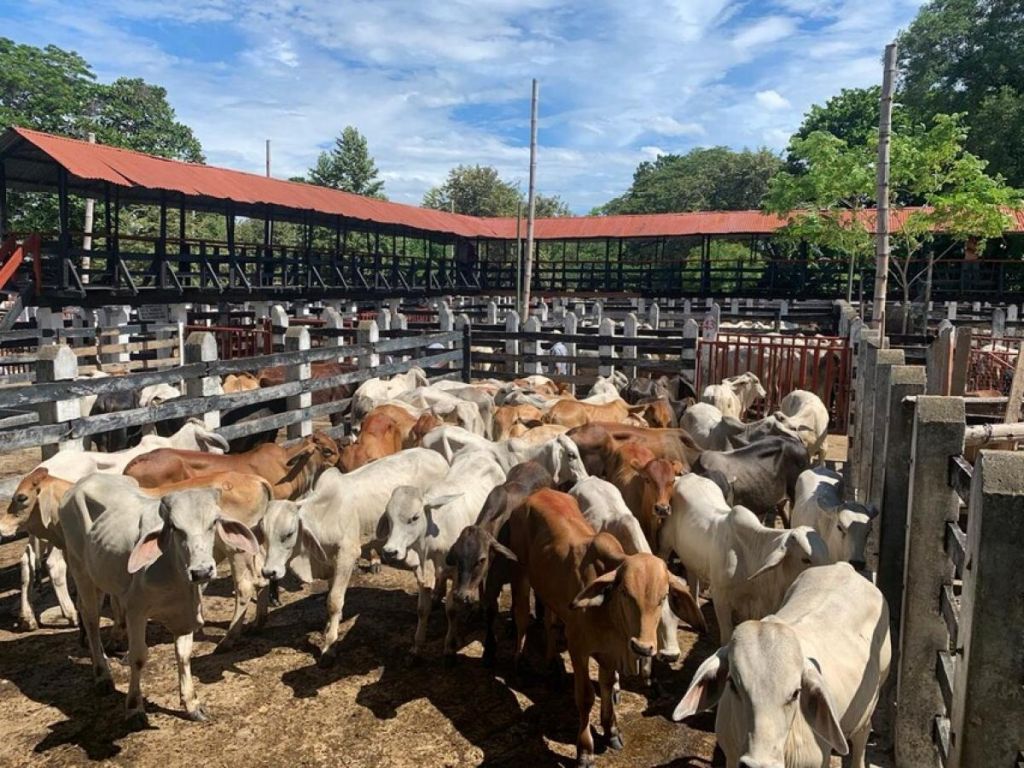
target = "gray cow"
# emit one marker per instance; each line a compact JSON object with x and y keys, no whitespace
{"x":153,"y":557}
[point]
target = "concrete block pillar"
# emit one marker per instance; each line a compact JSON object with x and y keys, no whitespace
{"x":58,"y":362}
{"x":629,"y":331}
{"x":542,"y":311}
{"x":998,"y":323}
{"x":333,"y":325}
{"x":532,"y":347}
{"x":938,"y":434}
{"x":885,"y":360}
{"x":50,"y":323}
{"x":597,"y":311}
{"x":384,"y":320}
{"x":492,"y":313}
{"x":201,"y":347}
{"x":570,"y":326}
{"x":654,"y":316}
{"x":367,"y":334}
{"x":115,"y":319}
{"x":296,"y":339}
{"x":688,"y":354}
{"x":987,"y":721}
{"x":607,"y":349}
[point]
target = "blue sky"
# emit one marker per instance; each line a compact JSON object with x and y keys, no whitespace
{"x":435,"y":84}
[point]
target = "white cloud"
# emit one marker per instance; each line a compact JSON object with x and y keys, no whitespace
{"x":432,"y":85}
{"x":771,"y":99}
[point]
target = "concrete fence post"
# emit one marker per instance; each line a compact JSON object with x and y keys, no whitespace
{"x":863,"y":411}
{"x":542,"y":310}
{"x":492,"y":313}
{"x":987,"y":721}
{"x":201,"y":347}
{"x":885,"y":360}
{"x":570,"y":326}
{"x":998,"y":323}
{"x":58,"y":362}
{"x":939,"y":360}
{"x":383,"y":319}
{"x":531,"y":347}
{"x":904,"y":381}
{"x":641,"y":305}
{"x":607,"y":348}
{"x":297,"y":340}
{"x":50,"y":323}
{"x":579,"y":309}
{"x":629,"y":331}
{"x":511,"y":342}
{"x":115,"y":320}
{"x":367,"y":334}
{"x":939,"y":424}
{"x":654,"y":316}
{"x":687,"y":309}
{"x":278,"y":327}
{"x":445,"y":318}
{"x":688,"y":353}
{"x":597,"y":311}
{"x":734,"y":307}
{"x":951,"y":310}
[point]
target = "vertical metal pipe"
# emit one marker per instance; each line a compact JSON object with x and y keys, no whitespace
{"x":882,"y":217}
{"x":530,"y":202}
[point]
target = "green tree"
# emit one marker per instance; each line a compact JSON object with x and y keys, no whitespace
{"x":348,"y":166}
{"x":715,"y":178}
{"x":968,"y":56}
{"x":134,"y":114}
{"x":548,"y":207}
{"x":826,"y":203}
{"x":476,"y":190}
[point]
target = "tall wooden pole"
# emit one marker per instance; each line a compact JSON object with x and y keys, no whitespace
{"x":519,"y":259}
{"x":268,"y":158}
{"x":90,"y":213}
{"x":530,"y":208}
{"x":882,"y":213}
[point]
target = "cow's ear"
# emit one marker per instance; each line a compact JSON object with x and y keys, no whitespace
{"x":383,"y":527}
{"x":439,"y":501}
{"x":684,"y":604}
{"x":707,"y":686}
{"x":679,"y":468}
{"x":311,"y":542}
{"x":504,"y":551}
{"x":816,"y":705}
{"x":147,"y":550}
{"x":593,"y":595}
{"x":237,"y":535}
{"x":259,"y":533}
{"x":302,"y":455}
{"x":775,"y":557}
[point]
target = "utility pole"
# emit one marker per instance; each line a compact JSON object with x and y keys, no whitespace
{"x":882,"y":195}
{"x":90,"y":211}
{"x":268,"y":158}
{"x":530,"y":208}
{"x":519,"y":258}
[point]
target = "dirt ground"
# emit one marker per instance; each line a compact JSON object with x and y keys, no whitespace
{"x":272,"y":705}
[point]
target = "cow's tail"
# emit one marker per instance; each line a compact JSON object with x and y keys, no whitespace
{"x":80,"y":499}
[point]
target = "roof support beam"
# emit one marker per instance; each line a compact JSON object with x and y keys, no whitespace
{"x":3,"y":198}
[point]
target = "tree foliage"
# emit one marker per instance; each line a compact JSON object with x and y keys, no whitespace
{"x":715,"y":178}
{"x":348,"y":166}
{"x":967,"y":56}
{"x":479,"y":190}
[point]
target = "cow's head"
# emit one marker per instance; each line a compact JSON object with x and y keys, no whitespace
{"x":285,"y":536}
{"x":190,"y":519}
{"x":633,"y":595}
{"x":407,"y":518}
{"x":26,"y":501}
{"x":797,"y":549}
{"x":317,"y":452}
{"x":852,"y":522}
{"x":659,"y":476}
{"x":426,"y":422}
{"x":566,"y":463}
{"x":764,"y":672}
{"x":470,"y":559}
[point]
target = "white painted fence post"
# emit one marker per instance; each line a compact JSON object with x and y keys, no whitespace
{"x":366,"y":334}
{"x":278,"y":326}
{"x":511,"y":343}
{"x":654,"y":316}
{"x":58,"y":362}
{"x":570,"y":326}
{"x":688,"y":354}
{"x":297,"y":340}
{"x":383,"y":320}
{"x":201,"y":347}
{"x":532,"y":347}
{"x":333,"y":325}
{"x":629,"y":331}
{"x":597,"y":311}
{"x":606,"y":350}
{"x":115,"y":318}
{"x":998,"y":323}
{"x":492,"y":313}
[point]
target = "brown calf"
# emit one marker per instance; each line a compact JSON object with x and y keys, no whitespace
{"x":610,"y":603}
{"x":597,"y":441}
{"x":508,"y":416}
{"x":646,"y":484}
{"x":290,"y":471}
{"x":378,"y":437}
{"x":573,"y":413}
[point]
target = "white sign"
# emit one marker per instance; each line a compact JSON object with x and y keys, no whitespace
{"x":154,"y":313}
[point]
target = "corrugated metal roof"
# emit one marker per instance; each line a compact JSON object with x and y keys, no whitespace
{"x":129,"y":169}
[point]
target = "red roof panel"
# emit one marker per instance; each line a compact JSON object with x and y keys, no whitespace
{"x":126,"y":168}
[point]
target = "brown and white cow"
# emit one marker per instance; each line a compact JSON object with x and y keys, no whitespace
{"x":609,"y":602}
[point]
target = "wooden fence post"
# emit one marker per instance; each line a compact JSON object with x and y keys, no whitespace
{"x":939,"y":424}
{"x":278,"y":327}
{"x":987,"y":720}
{"x":606,"y":350}
{"x":629,"y":331}
{"x":297,"y":340}
{"x":570,"y":325}
{"x":201,"y":347}
{"x":688,"y":354}
{"x":58,"y":362}
{"x":532,"y":347}
{"x":904,"y":381}
{"x":511,"y":342}
{"x":367,"y":334}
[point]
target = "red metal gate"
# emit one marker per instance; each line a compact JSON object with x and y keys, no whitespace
{"x":819,"y":364}
{"x":235,"y":341}
{"x":991,"y":363}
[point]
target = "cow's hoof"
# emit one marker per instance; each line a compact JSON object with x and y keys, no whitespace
{"x":28,"y":624}
{"x":615,"y":741}
{"x":449,"y":660}
{"x":374,"y":568}
{"x":585,"y":761}
{"x":137,"y":720}
{"x":198,"y":715}
{"x":104,"y":686}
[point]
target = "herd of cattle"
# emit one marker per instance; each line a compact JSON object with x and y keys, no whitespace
{"x":593,"y":505}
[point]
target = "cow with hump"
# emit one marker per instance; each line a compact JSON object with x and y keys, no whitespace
{"x":609,"y":602}
{"x":153,"y":557}
{"x":795,"y":686}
